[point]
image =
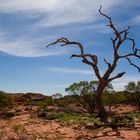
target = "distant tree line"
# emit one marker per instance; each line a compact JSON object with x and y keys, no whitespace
{"x":84,"y":93}
{"x":133,"y":86}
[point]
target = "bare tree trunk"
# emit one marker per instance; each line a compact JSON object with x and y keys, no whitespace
{"x":99,"y":101}
{"x":100,"y":107}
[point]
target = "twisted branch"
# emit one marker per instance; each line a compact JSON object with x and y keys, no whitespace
{"x":134,"y":65}
{"x":65,"y":42}
{"x":119,"y":75}
{"x":117,"y":41}
{"x":94,"y":59}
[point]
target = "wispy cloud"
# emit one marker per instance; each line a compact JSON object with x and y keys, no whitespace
{"x":59,"y":12}
{"x":70,"y":11}
{"x":69,"y":71}
{"x":75,"y":11}
{"x":50,"y":14}
{"x":26,"y":48}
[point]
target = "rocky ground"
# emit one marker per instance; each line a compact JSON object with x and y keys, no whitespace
{"x":24,"y":127}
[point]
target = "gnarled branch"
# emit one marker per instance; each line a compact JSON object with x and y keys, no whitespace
{"x":134,"y":65}
{"x":119,"y":75}
{"x":117,"y":41}
{"x":94,"y":59}
{"x":65,"y":42}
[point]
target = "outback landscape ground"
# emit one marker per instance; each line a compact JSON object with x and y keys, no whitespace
{"x":31,"y":33}
{"x":31,"y":123}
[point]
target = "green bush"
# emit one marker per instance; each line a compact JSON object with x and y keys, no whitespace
{"x":48,"y":101}
{"x":66,"y":117}
{"x":114,"y":98}
{"x":6,"y":101}
{"x":70,"y":99}
{"x":18,"y":110}
{"x":41,"y":113}
{"x":52,"y":116}
{"x":122,"y":119}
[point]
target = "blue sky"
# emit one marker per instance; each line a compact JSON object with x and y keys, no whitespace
{"x":27,"y":26}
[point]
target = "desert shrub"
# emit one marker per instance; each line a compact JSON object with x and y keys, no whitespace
{"x":28,"y":108}
{"x":122,"y":97}
{"x":18,"y":110}
{"x":61,"y":116}
{"x":30,"y":102}
{"x":87,"y":101}
{"x":137,"y":99}
{"x":70,"y":99}
{"x":41,"y":113}
{"x":17,"y":127}
{"x":114,"y":98}
{"x":20,"y":131}
{"x":52,"y":116}
{"x":26,"y":103}
{"x":66,"y":117}
{"x":69,"y":117}
{"x":122,"y":119}
{"x":60,"y":102}
{"x":136,"y":116}
{"x":1,"y":134}
{"x":6,"y":101}
{"x":133,"y":98}
{"x":17,"y":113}
{"x":108,"y":99}
{"x":69,"y":110}
{"x":6,"y":114}
{"x":48,"y":101}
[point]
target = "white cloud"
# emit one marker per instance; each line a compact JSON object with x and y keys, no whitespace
{"x":75,"y":11}
{"x":119,"y":84}
{"x":69,"y":71}
{"x":26,"y":48}
{"x":59,"y":12}
{"x":56,"y":13}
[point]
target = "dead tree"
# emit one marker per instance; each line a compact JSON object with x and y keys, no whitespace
{"x":92,"y":60}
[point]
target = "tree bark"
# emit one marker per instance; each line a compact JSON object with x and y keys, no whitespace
{"x":100,"y":107}
{"x":99,"y":101}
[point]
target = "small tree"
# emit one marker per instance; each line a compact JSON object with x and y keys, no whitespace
{"x":85,"y":92}
{"x":57,"y":96}
{"x":6,"y":101}
{"x":133,"y":93}
{"x":133,"y":86}
{"x":138,"y":86}
{"x":91,"y":59}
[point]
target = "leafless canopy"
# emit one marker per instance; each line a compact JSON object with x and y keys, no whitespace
{"x":92,"y":60}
